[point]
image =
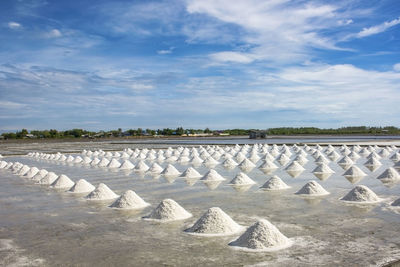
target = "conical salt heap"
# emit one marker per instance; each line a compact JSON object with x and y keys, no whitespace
{"x":78,"y":159}
{"x":210,"y":162}
{"x":114,"y":163}
{"x":229,"y":163}
{"x":333,"y":155}
{"x":294,"y":169}
{"x":323,"y":171}
{"x":390,"y":175}
{"x":242,"y":179}
{"x":42,"y":173}
{"x":361,"y":194}
{"x":212,"y":175}
{"x":102,"y":192}
{"x":168,"y":210}
{"x":275,"y":183}
{"x":103,"y":162}
{"x":141,"y":166}
{"x":24,"y":170}
{"x":214,"y":222}
{"x":155,"y":169}
{"x":268,"y":167}
{"x":127,"y":165}
{"x":372,"y":164}
{"x":262,"y":236}
{"x":3,"y":164}
{"x":191,"y":173}
{"x":63,"y":182}
{"x":70,"y":159}
{"x":82,"y":186}
{"x":354,"y":174}
{"x":345,"y":162}
{"x":246,"y":165}
{"x":95,"y":162}
{"x":321,"y":159}
{"x":48,"y":179}
{"x":302,"y":160}
{"x":196,"y":160}
{"x":32,"y":172}
{"x":170,"y":170}
{"x":129,"y":200}
{"x":312,"y":188}
{"x":395,"y":157}
{"x":283,"y":159}
{"x":86,"y":160}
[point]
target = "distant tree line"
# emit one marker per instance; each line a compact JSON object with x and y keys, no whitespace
{"x":80,"y":133}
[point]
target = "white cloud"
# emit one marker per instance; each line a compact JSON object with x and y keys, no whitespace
{"x":378,"y":28}
{"x":166,"y":51}
{"x":345,"y":22}
{"x":396,"y":67}
{"x":14,"y":25}
{"x":53,"y":34}
{"x":229,"y":56}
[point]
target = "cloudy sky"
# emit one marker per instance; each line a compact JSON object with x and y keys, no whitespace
{"x":99,"y":64}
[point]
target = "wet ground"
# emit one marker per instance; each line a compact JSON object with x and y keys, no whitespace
{"x":44,"y":227}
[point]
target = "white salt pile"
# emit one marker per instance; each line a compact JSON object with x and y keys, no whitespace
{"x":129,"y":200}
{"x":191,"y":173}
{"x":345,"y":162}
{"x":283,"y":159}
{"x":63,"y":182}
{"x":212,"y":175}
{"x":78,"y":159}
{"x":354,"y":174}
{"x":372,"y":164}
{"x":312,"y":188}
{"x":196,"y":160}
{"x":86,"y":160}
{"x":333,"y":156}
{"x":155,"y":169}
{"x":70,"y":159}
{"x":168,"y":210}
{"x":302,"y":160}
{"x":170,"y":171}
{"x":42,"y":173}
{"x":210,"y":162}
{"x":32,"y":172}
{"x":82,"y":186}
{"x":103,"y":162}
{"x":262,"y":236}
{"x":294,"y":169}
{"x":127,"y":165}
{"x":3,"y":164}
{"x":141,"y":166}
{"x":95,"y":162}
{"x":323,"y":172}
{"x":24,"y":170}
{"x":102,"y":192}
{"x":48,"y":179}
{"x":361,"y":194}
{"x":214,"y":222}
{"x":275,"y":183}
{"x":268,"y":167}
{"x":389,"y":176}
{"x":229,"y":163}
{"x":114,"y":163}
{"x":246,"y":165}
{"x":242,"y":179}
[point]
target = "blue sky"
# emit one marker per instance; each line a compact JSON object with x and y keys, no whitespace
{"x":211,"y":63}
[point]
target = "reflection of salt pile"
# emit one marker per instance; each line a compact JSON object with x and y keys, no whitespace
{"x":82,"y":186}
{"x":354,"y":174}
{"x":242,"y":179}
{"x":168,"y":210}
{"x":170,"y":170}
{"x":294,"y":169}
{"x":262,"y":236}
{"x":62,"y":181}
{"x":48,"y":179}
{"x":312,"y":188}
{"x":389,"y":176}
{"x":275,"y":183}
{"x":361,"y":194}
{"x":191,"y":173}
{"x":246,"y":165}
{"x":214,"y":222}
{"x":129,"y":200}
{"x":102,"y":192}
{"x":323,"y":171}
{"x":212,"y":175}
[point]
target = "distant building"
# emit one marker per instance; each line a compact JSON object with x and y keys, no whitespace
{"x":257,"y":134}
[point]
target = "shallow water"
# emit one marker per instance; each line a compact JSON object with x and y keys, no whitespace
{"x":42,"y":226}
